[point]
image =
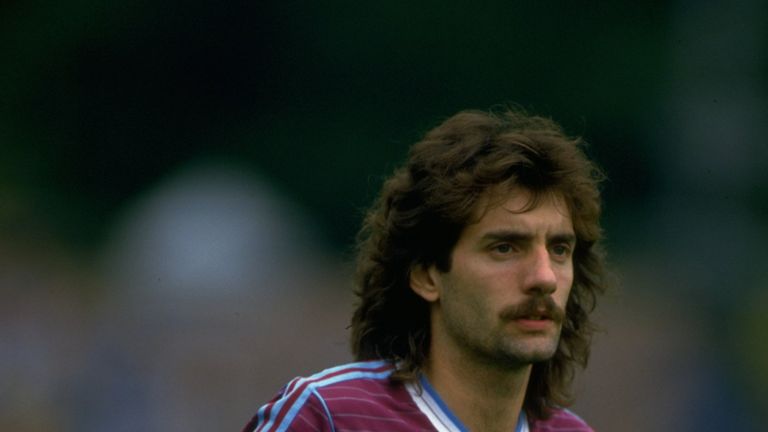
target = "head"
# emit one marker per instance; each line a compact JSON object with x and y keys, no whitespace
{"x":471,"y":163}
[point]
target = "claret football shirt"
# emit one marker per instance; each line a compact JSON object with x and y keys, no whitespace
{"x":360,"y":397}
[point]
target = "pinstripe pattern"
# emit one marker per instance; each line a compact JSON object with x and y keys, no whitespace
{"x":278,"y":416}
{"x":360,"y":397}
{"x":561,"y":421}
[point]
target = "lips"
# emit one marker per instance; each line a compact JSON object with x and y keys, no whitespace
{"x":533,"y":325}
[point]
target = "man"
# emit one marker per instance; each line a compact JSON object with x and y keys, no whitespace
{"x":477,"y":269}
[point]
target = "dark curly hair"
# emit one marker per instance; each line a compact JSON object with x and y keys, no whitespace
{"x":422,"y":210}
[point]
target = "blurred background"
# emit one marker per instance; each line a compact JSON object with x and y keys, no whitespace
{"x":181,"y":183}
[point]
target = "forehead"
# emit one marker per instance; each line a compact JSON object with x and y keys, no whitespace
{"x":521,"y":208}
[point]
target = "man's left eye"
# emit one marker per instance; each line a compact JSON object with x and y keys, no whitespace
{"x":503,"y":248}
{"x":561,"y":250}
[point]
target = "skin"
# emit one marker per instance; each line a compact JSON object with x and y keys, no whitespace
{"x":487,"y":310}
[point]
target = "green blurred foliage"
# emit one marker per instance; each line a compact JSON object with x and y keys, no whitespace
{"x":102,"y":99}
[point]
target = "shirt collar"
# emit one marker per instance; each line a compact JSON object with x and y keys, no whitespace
{"x":442,"y":418}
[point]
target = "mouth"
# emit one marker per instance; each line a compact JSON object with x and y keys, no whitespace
{"x":535,"y":323}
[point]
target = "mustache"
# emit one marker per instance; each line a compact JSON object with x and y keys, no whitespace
{"x":542,"y":306}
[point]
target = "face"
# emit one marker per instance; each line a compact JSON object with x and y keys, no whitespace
{"x":503,"y":299}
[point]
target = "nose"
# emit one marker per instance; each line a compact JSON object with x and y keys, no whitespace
{"x":540,"y":274}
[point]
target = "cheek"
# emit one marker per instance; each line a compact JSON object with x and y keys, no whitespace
{"x":561,"y":297}
{"x":565,"y":284}
{"x":469,"y":300}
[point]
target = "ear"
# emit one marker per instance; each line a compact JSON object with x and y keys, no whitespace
{"x":425,"y":281}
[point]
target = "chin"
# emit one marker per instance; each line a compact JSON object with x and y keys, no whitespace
{"x":541,"y":357}
{"x":529,"y":355}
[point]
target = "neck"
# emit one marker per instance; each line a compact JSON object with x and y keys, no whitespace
{"x":483,"y":397}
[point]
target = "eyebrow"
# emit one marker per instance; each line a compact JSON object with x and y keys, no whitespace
{"x":520,"y":236}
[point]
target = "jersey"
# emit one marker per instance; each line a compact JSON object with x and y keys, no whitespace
{"x":361,"y":397}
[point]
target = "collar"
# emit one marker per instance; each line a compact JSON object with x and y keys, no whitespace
{"x":442,"y":418}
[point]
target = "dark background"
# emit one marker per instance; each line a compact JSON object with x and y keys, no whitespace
{"x":269,"y":126}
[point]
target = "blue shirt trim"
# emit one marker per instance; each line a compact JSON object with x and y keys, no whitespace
{"x":447,"y":411}
{"x":521,"y":420}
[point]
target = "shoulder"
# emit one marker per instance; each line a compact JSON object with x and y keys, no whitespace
{"x":561,"y":420}
{"x":307,"y":403}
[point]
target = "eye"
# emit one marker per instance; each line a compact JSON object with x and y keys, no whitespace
{"x":504,"y":250}
{"x":561,"y":250}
